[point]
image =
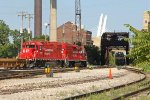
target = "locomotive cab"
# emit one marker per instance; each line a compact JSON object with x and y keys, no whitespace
{"x":30,"y":50}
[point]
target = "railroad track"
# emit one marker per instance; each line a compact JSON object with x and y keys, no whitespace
{"x":62,"y":83}
{"x":29,"y":86}
{"x":136,"y":70}
{"x":9,"y":74}
{"x":132,"y":93}
{"x":145,"y":87}
{"x":51,"y":85}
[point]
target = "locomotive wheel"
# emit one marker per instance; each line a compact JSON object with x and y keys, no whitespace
{"x":30,"y":64}
{"x":83,"y":64}
{"x":71,"y":64}
{"x":60,"y":63}
{"x":67,"y":63}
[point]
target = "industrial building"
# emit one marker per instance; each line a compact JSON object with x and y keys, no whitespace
{"x":67,"y":33}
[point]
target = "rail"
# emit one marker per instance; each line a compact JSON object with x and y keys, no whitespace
{"x":9,"y":74}
{"x":105,"y":90}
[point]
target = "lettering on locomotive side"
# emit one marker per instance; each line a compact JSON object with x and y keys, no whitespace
{"x":49,"y":50}
{"x":75,"y":51}
{"x":41,"y":53}
{"x":32,"y":43}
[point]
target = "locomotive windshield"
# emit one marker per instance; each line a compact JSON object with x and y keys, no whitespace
{"x":30,"y":46}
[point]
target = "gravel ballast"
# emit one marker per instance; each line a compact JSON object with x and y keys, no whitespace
{"x":63,"y":85}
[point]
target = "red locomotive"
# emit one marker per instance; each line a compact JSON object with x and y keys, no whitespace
{"x":38,"y":53}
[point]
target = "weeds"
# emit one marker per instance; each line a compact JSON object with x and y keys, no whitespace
{"x":114,"y":93}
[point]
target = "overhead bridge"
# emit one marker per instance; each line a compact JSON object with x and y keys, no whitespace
{"x":113,"y":41}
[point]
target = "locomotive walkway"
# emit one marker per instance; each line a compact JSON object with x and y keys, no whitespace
{"x":64,"y":85}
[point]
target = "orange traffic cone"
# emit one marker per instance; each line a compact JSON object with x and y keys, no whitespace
{"x":110,"y":74}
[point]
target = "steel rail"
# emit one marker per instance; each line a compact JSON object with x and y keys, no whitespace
{"x":132,"y":93}
{"x":9,"y":74}
{"x":117,"y":87}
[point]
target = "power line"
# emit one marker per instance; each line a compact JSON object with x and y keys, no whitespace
{"x":22,"y":15}
{"x":29,"y":16}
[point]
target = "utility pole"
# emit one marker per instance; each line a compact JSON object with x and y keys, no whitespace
{"x":22,"y":15}
{"x":46,"y":25}
{"x":78,"y":20}
{"x":29,"y":16}
{"x":64,"y":39}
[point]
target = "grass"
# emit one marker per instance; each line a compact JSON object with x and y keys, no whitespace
{"x":145,"y":67}
{"x":113,"y":93}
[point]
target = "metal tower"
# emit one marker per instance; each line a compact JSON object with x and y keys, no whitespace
{"x":78,"y":20}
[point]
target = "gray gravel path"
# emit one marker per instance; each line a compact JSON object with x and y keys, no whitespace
{"x":64,"y":84}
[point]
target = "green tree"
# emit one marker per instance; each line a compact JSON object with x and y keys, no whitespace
{"x":111,"y":59}
{"x":140,"y":53}
{"x":4,"y":33}
{"x":16,"y":38}
{"x":26,"y":36}
{"x":7,"y":51}
{"x":93,"y":54}
{"x":7,"y":48}
{"x":42,"y":38}
{"x":4,"y":39}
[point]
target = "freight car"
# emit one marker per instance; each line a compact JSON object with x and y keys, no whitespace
{"x":38,"y":53}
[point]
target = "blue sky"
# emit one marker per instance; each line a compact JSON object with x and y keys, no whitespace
{"x":119,"y":12}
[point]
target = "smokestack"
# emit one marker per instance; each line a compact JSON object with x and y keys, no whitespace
{"x":37,"y":17}
{"x":53,"y":20}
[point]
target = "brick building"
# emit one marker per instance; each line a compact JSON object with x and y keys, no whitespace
{"x":67,"y":33}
